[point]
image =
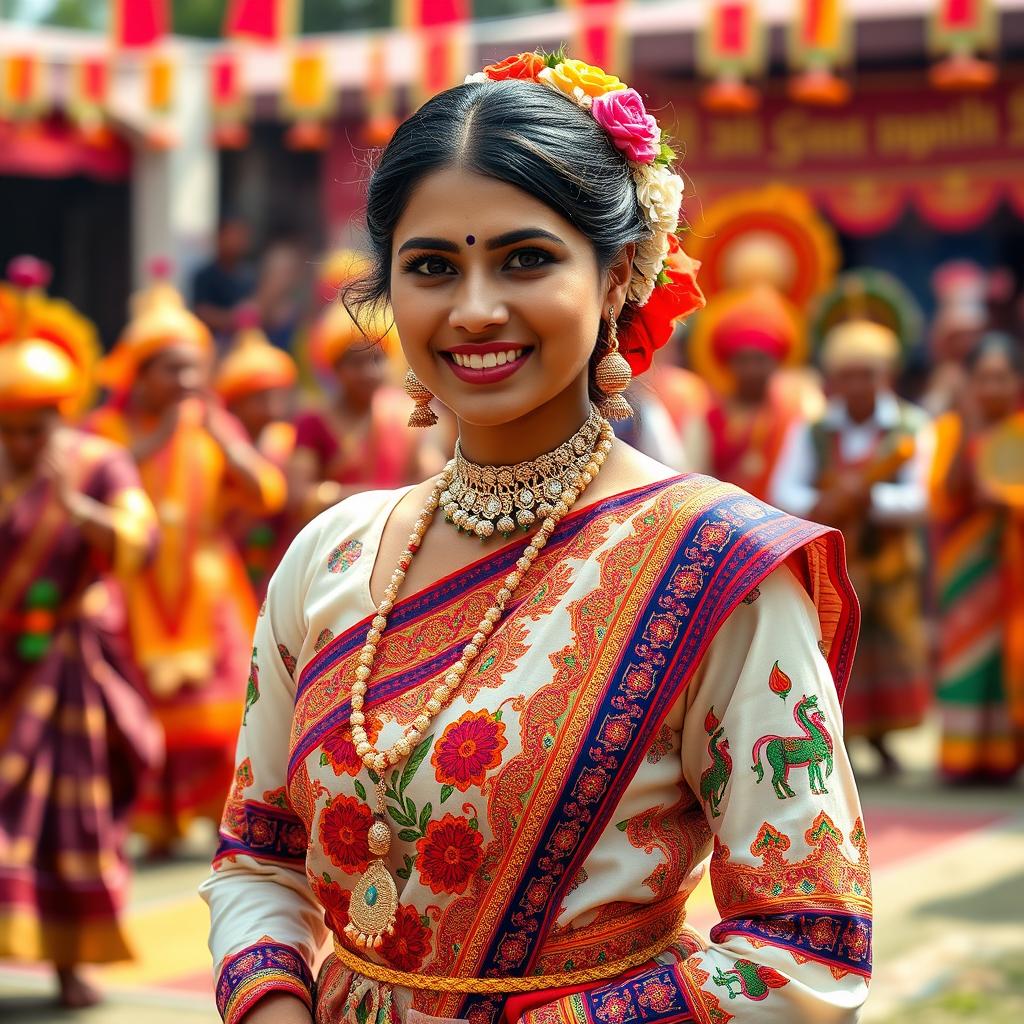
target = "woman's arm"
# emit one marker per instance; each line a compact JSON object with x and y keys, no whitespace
{"x":789,"y":868}
{"x":278,"y":1008}
{"x":265,"y":924}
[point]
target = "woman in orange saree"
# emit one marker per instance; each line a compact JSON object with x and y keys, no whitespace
{"x":979,"y":546}
{"x":191,"y":611}
{"x":489,"y":768}
{"x":76,"y":735}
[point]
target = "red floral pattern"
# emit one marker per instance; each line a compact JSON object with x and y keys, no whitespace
{"x":335,"y":901}
{"x":449,"y":854}
{"x":339,"y":749}
{"x":344,"y":826}
{"x":468,"y":749}
{"x":409,"y":942}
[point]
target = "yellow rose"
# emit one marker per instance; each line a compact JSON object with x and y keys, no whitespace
{"x":577,"y":79}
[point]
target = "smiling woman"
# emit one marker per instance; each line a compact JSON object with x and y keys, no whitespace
{"x":577,"y":687}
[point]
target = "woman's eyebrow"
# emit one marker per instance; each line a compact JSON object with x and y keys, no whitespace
{"x":440,"y":244}
{"x":522,"y":235}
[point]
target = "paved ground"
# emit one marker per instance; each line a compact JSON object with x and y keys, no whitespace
{"x":949,"y":897}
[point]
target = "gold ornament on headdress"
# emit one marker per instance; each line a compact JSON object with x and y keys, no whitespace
{"x":613,"y":376}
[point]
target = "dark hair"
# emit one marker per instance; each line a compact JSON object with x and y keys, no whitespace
{"x":998,"y":342}
{"x":518,"y":132}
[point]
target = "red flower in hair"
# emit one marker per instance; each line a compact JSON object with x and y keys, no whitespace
{"x":651,"y":325}
{"x":520,"y":65}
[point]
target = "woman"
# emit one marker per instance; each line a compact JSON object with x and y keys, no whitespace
{"x":979,"y":540}
{"x":75,"y":732}
{"x":493,"y":772}
{"x":256,"y":383}
{"x":192,"y":611}
{"x":360,"y":440}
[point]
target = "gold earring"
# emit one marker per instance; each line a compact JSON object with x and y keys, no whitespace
{"x":613,"y":376}
{"x":422,"y":415}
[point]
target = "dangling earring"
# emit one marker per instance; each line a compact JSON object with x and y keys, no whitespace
{"x":613,"y":376}
{"x":422,"y":415}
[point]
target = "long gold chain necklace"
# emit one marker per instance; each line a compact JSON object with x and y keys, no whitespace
{"x":374,"y":901}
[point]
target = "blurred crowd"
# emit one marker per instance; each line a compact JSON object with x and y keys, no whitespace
{"x":146,"y":495}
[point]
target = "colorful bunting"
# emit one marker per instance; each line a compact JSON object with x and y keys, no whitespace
{"x":819,"y":43}
{"x":138,"y":24}
{"x":23,"y":95}
{"x":308,"y":99}
{"x":228,"y":102}
{"x":957,"y":31}
{"x":261,"y":21}
{"x":730,"y":49}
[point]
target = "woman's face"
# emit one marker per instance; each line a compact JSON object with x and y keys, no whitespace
{"x":996,"y":385}
{"x":497,"y":299}
{"x":171,"y":376}
{"x":24,"y":435}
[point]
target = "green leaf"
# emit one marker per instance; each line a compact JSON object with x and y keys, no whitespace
{"x":409,"y":835}
{"x":394,"y":780}
{"x":403,"y":873}
{"x":424,"y":920}
{"x":326,"y":877}
{"x":623,"y":825}
{"x":425,"y":816}
{"x":374,"y":777}
{"x":360,"y":789}
{"x":323,"y":760}
{"x":400,"y":818}
{"x":497,"y":716}
{"x":474,"y":824}
{"x":446,"y":791}
{"x":415,"y":760}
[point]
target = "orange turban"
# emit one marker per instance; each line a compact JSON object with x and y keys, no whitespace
{"x":36,"y":373}
{"x":335,"y":332}
{"x":159,"y":321}
{"x":252,"y":365}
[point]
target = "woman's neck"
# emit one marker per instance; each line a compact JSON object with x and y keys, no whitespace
{"x":527,"y":437}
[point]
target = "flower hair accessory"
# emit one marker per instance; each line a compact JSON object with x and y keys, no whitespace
{"x":663,"y":288}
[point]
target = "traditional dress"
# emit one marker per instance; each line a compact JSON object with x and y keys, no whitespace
{"x":191,"y":614}
{"x":979,"y":562}
{"x":743,"y":440}
{"x":252,"y":368}
{"x":192,"y":611}
{"x":556,"y":817}
{"x":893,"y":450}
{"x":76,"y":735}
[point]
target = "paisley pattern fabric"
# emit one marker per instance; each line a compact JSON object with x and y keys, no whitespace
{"x":559,"y":812}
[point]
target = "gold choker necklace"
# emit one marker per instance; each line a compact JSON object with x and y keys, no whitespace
{"x":496,"y":499}
{"x":374,"y":899}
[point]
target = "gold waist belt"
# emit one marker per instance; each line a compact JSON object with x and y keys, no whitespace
{"x":534,"y":983}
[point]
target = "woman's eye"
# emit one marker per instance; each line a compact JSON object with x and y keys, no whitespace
{"x":430,"y":266}
{"x":528,"y":259}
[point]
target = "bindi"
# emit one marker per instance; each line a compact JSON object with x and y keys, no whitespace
{"x":470,"y":239}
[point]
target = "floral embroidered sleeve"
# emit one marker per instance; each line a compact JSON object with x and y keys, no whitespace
{"x":266,"y":926}
{"x":763,"y":750}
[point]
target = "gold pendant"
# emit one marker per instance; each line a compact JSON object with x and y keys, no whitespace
{"x":372,"y":909}
{"x":374,"y":901}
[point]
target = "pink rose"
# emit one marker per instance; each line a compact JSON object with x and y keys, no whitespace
{"x":623,"y":116}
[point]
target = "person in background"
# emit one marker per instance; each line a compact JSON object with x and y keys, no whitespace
{"x":686,"y":398}
{"x":223,"y":284}
{"x":863,"y":467}
{"x":256,"y":382}
{"x":281,"y":296}
{"x":961,"y":290}
{"x":358,"y":440}
{"x":192,"y":610}
{"x":739,"y":344}
{"x":978,"y":532}
{"x":76,"y":734}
